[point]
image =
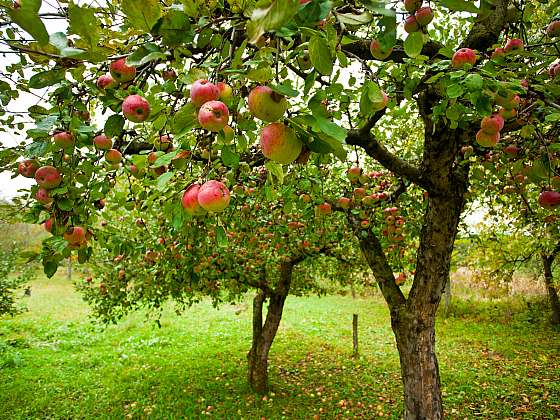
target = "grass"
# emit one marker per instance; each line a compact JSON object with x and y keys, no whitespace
{"x":497,"y":360}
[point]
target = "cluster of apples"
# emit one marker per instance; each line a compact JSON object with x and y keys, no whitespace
{"x":395,"y":223}
{"x":213,"y":196}
{"x":489,"y":133}
{"x":104,"y":143}
{"x":135,"y":108}
{"x":48,"y":178}
{"x":420,"y":16}
{"x":213,"y":114}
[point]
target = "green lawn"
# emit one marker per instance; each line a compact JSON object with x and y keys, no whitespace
{"x":497,"y":360}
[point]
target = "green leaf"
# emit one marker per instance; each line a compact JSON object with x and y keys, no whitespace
{"x":143,"y":14}
{"x":351,"y":19}
{"x":165,"y":159}
{"x":229,"y":157}
{"x":50,"y":267}
{"x":145,"y":54}
{"x":45,"y":78}
{"x":460,"y":5}
{"x":320,"y":55}
{"x":221,"y":237}
{"x":60,"y":41}
{"x":65,"y":204}
{"x":163,"y":179}
{"x":276,"y":170}
{"x":27,"y":18}
{"x":378,"y":7}
{"x":454,"y":90}
{"x":552,"y":117}
{"x":413,"y":44}
{"x":185,"y":119}
{"x":175,"y":29}
{"x":284,"y":90}
{"x":114,"y":126}
{"x":326,"y":144}
{"x":331,"y":129}
{"x":84,"y":23}
{"x":474,"y":82}
{"x":262,"y":74}
{"x":274,"y":16}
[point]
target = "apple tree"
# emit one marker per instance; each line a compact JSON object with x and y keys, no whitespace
{"x":145,"y":99}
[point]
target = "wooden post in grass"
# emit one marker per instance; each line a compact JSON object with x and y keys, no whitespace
{"x":355,"y":351}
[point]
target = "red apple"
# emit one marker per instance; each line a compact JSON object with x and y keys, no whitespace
{"x":344,"y":202}
{"x":379,"y":105}
{"x":324,"y":209}
{"x":106,"y":81}
{"x":554,"y":70}
{"x":424,"y":16}
{"x":354,"y":173}
{"x":462,"y":57}
{"x":280,"y":143}
{"x":553,"y":30}
{"x":514,"y":44}
{"x":64,"y":139}
{"x":213,"y":115}
{"x":121,"y":72}
{"x":412,"y":6}
{"x":169,"y":74}
{"x":203,"y":91}
{"x":76,"y":236}
{"x":512,"y":150}
{"x":113,"y":156}
{"x":213,"y":196}
{"x":549,"y":199}
{"x":266,"y":105}
{"x":411,"y":25}
{"x":190,"y":201}
{"x":163,"y":143}
{"x":493,"y":124}
{"x":102,"y":142}
{"x":359,"y":193}
{"x":48,"y":177}
{"x":27,"y":168}
{"x":224,"y":91}
{"x":507,"y":114}
{"x":498,"y":53}
{"x":487,"y":140}
{"x":43,"y":196}
{"x":136,"y":108}
{"x":48,"y":224}
{"x":378,"y":52}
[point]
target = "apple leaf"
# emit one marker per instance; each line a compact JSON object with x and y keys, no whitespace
{"x":143,"y":14}
{"x":284,"y":90}
{"x":50,"y":267}
{"x":274,"y":16}
{"x":27,"y":18}
{"x":351,"y":19}
{"x":320,"y":55}
{"x":229,"y":158}
{"x":163,"y":179}
{"x":45,"y":78}
{"x":84,"y":23}
{"x":184,"y":119}
{"x":60,"y":41}
{"x":175,"y":28}
{"x":276,"y":170}
{"x":221,"y":237}
{"x":327,"y":144}
{"x":165,"y":159}
{"x":114,"y":125}
{"x":413,"y":44}
{"x":379,"y":7}
{"x":460,"y":5}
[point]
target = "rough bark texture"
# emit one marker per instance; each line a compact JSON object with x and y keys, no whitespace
{"x":263,"y":334}
{"x":551,"y":290}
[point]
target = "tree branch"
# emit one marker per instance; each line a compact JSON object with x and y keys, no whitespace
{"x":487,"y":29}
{"x":361,"y":49}
{"x":367,"y":141}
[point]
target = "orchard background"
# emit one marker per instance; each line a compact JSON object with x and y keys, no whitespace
{"x":187,"y":154}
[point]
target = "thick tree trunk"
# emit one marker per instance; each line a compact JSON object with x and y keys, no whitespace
{"x":552,"y":293}
{"x":263,"y":334}
{"x":413,"y":319}
{"x":415,"y":336}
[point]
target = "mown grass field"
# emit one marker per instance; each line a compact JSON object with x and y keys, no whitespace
{"x":497,"y":360}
